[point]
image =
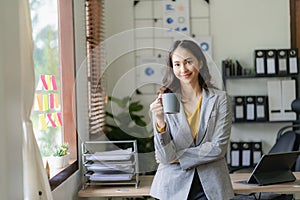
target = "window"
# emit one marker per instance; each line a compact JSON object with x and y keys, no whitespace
{"x":54,"y":113}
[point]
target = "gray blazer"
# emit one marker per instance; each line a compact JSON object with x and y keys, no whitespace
{"x":207,"y":154}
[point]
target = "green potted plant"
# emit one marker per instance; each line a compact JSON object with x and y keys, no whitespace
{"x":61,"y":156}
{"x":128,"y":123}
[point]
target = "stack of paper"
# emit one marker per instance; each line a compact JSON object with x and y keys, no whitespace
{"x":114,"y":165}
{"x":122,"y":154}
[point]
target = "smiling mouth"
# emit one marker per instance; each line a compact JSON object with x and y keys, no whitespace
{"x":186,"y":75}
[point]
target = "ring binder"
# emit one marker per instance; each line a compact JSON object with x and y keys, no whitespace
{"x":250,"y":108}
{"x":246,"y":154}
{"x":256,"y":152}
{"x":293,"y":61}
{"x":239,"y":108}
{"x":274,"y":100}
{"x":235,"y":154}
{"x":262,"y":108}
{"x":271,"y":61}
{"x":260,"y":62}
{"x":282,"y":61}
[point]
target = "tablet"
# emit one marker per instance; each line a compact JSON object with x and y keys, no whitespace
{"x":274,"y":168}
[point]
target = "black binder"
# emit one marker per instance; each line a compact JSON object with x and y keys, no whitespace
{"x":282,"y":56}
{"x":274,"y":168}
{"x":246,"y":154}
{"x":250,"y":108}
{"x":235,"y":154}
{"x":256,"y":152}
{"x":293,"y":61}
{"x":261,"y":108}
{"x":239,"y":108}
{"x":271,"y":61}
{"x":260,"y":62}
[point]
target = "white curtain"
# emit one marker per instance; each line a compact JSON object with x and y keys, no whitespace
{"x":36,"y":184}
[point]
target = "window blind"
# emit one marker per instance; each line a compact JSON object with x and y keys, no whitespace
{"x":95,"y":52}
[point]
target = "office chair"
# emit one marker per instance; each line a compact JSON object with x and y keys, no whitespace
{"x":286,"y":140}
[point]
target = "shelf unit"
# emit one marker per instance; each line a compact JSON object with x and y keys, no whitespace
{"x":254,"y":85}
{"x":295,"y":77}
{"x":104,"y":163}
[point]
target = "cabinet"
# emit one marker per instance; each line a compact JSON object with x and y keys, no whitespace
{"x":104,"y":163}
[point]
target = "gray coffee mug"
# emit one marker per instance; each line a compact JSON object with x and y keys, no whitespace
{"x":170,"y":103}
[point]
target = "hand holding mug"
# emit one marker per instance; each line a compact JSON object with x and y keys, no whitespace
{"x":157,"y":109}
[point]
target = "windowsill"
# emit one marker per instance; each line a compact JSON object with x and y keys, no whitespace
{"x":54,"y":171}
{"x":63,"y":174}
{"x":57,"y":176}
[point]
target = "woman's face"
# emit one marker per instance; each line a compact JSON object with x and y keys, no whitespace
{"x":185,"y":66}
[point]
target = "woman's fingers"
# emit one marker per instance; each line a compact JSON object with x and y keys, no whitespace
{"x":156,"y":107}
{"x":159,"y":98}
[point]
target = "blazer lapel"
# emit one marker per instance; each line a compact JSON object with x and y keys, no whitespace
{"x":208,"y":100}
{"x":186,"y":131}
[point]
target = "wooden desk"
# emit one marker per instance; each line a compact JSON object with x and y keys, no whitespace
{"x":119,"y":191}
{"x":145,"y":183}
{"x":284,"y":188}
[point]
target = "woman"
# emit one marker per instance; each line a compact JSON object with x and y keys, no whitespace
{"x":190,"y":146}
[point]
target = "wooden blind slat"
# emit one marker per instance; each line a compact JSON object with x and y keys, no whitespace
{"x":94,"y":36}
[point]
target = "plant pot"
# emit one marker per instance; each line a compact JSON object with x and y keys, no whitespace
{"x":60,"y":161}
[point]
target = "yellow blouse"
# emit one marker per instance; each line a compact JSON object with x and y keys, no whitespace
{"x":193,"y":119}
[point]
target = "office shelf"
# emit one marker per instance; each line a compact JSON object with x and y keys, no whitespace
{"x":261,"y":76}
{"x":255,"y":77}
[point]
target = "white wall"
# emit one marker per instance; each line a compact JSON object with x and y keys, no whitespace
{"x":69,"y":188}
{"x":240,"y":26}
{"x":237,"y":27}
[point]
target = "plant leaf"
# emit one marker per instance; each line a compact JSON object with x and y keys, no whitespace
{"x":118,"y":101}
{"x":135,"y":107}
{"x":108,"y":114}
{"x":140,"y":122}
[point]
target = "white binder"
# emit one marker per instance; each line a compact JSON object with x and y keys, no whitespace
{"x":246,"y":154}
{"x":260,"y":62}
{"x":250,"y":108}
{"x":293,"y":61}
{"x":282,"y":61}
{"x":288,"y":88}
{"x":274,"y":98}
{"x":271,"y":62}
{"x":281,"y":93}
